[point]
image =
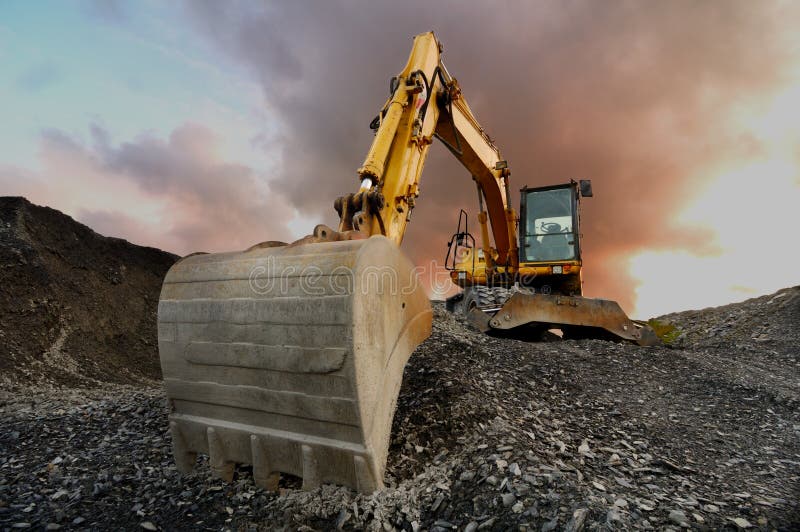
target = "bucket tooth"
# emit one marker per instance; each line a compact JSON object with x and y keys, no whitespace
{"x":184,"y":458}
{"x":311,"y":478}
{"x":263,"y":474}
{"x":216,"y":457}
{"x":301,"y":346}
{"x":365,"y":480}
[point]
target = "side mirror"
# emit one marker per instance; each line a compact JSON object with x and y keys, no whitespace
{"x":586,"y":188}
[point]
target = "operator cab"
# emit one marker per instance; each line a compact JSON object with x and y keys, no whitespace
{"x":548,"y":229}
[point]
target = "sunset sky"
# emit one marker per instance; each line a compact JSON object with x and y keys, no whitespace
{"x":215,"y":125}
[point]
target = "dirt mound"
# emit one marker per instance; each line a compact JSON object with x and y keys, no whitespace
{"x":75,"y":306}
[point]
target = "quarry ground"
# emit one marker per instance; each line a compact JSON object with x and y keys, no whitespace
{"x":489,"y":434}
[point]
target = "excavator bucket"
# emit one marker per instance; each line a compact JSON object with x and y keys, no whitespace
{"x":290,"y":358}
{"x":579,"y":314}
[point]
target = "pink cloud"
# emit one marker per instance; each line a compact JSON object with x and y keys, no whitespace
{"x":175,"y":193}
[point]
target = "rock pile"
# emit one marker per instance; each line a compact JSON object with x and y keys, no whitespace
{"x":489,"y":434}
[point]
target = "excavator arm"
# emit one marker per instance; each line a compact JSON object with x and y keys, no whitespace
{"x":426,"y":102}
{"x":470,"y":144}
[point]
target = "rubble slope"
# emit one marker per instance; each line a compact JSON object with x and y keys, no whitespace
{"x":75,"y":306}
{"x":489,"y":434}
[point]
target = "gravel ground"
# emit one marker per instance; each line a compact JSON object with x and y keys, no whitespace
{"x":490,"y":434}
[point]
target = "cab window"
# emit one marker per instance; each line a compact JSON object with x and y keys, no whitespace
{"x":549,"y":233}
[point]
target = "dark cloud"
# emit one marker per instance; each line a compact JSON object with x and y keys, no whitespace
{"x":633,"y":95}
{"x":261,"y":41}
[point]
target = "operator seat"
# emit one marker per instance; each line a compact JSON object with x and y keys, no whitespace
{"x":556,"y":247}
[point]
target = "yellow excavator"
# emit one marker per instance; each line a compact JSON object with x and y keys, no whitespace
{"x":289,"y":357}
{"x":543,"y":290}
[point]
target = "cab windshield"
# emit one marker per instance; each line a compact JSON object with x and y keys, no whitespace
{"x":549,"y":233}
